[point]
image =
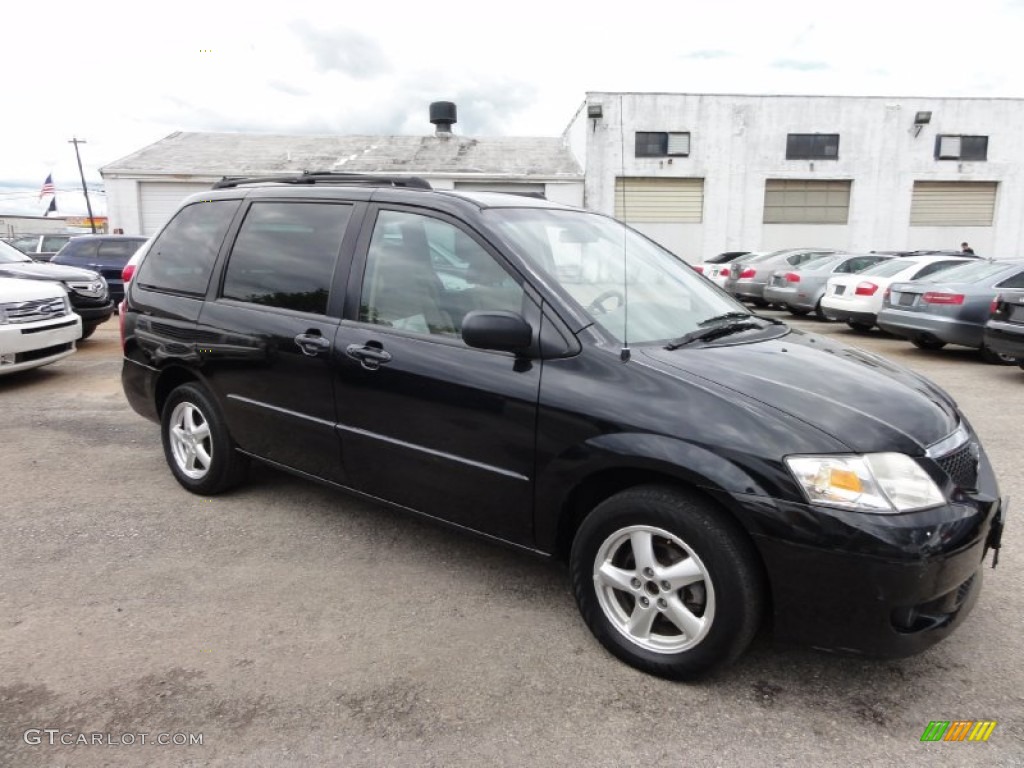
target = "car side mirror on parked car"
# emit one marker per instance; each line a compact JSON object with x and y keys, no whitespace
{"x":496,"y":329}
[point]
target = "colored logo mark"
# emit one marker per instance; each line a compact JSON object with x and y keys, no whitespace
{"x":958,"y":730}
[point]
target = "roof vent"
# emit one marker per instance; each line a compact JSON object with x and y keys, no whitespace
{"x":442,"y":115}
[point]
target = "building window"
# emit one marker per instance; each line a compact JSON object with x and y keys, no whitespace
{"x":662,"y":144}
{"x":812,"y":146}
{"x":961,"y":147}
{"x":953,"y":204}
{"x":806,"y":201}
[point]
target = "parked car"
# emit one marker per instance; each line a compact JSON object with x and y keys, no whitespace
{"x":105,"y":254}
{"x":1004,"y":331}
{"x":40,"y":247}
{"x":748,"y":283}
{"x":801,"y":288}
{"x":718,"y":268}
{"x":857,"y":299}
{"x":695,"y":464}
{"x":950,"y":307}
{"x":37,"y":325}
{"x":87,"y":290}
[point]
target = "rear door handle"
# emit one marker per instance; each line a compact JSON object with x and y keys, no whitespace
{"x":312,"y":344}
{"x":371,"y":358}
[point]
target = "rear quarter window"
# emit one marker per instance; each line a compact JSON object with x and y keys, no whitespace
{"x":181,"y":259}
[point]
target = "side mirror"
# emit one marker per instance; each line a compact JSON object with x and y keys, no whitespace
{"x":496,"y":329}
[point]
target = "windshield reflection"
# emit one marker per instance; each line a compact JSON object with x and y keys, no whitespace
{"x":604,"y":265}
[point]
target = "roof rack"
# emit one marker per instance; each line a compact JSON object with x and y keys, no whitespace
{"x":326,"y":177}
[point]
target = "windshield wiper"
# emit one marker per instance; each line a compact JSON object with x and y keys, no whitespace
{"x":709,"y":334}
{"x":726,"y":316}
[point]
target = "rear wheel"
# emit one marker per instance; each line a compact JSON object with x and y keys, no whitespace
{"x":798,"y":312}
{"x":857,"y":326}
{"x":820,"y":313}
{"x":927,"y":342}
{"x":992,"y":357}
{"x":666,"y":582}
{"x":760,"y":303}
{"x":198,"y":448}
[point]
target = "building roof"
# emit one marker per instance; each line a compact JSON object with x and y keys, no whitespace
{"x":223,"y":154}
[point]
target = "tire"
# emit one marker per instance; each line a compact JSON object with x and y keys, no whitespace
{"x":713,"y":604}
{"x":798,"y":312}
{"x":820,"y":313}
{"x":760,"y":303}
{"x":87,"y":331}
{"x":198,"y":448}
{"x":862,"y":327}
{"x":926,"y":342}
{"x":992,"y":357}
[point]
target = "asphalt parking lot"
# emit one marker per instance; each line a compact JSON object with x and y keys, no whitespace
{"x":290,"y":625}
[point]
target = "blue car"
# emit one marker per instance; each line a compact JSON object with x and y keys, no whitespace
{"x":106,"y":254}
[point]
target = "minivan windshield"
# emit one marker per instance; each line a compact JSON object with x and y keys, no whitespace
{"x":615,"y":274}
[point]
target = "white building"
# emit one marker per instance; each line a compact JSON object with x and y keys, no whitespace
{"x":708,"y":173}
{"x":146,"y":187}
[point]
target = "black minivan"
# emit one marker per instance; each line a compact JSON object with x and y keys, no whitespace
{"x":546,"y":377}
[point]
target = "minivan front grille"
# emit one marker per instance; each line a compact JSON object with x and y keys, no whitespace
{"x":961,"y":465}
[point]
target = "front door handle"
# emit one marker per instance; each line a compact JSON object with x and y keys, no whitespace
{"x":370,"y":357}
{"x":312,"y":344}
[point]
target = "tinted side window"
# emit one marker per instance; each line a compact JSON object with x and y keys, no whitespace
{"x":182,"y":258}
{"x":423,"y":275}
{"x":285,"y":255}
{"x":119,"y":250}
{"x":1017,"y":281}
{"x":78,"y":250}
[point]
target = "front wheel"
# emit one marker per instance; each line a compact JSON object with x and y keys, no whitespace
{"x":198,"y":448}
{"x":666,"y":582}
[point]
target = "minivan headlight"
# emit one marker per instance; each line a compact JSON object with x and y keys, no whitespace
{"x":881,"y":483}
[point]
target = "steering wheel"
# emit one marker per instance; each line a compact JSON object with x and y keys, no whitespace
{"x":596,"y":307}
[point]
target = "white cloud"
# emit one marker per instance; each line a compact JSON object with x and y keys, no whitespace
{"x":123,"y":75}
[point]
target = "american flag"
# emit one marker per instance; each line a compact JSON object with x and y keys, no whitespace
{"x":48,"y":188}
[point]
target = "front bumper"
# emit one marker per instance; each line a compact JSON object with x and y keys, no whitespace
{"x":94,"y":314}
{"x":36,"y":344}
{"x":876,"y":585}
{"x":912,"y":325}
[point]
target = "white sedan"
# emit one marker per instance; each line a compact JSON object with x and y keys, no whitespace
{"x":37,"y":326}
{"x":857,"y":298}
{"x":718,"y":269}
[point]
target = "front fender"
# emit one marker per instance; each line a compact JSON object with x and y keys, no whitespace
{"x":720,"y":474}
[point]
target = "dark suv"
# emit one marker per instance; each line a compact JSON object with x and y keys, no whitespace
{"x":424,"y":349}
{"x":105,"y":254}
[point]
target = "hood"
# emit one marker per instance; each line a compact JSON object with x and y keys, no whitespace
{"x":862,"y":400}
{"x":12,"y":289}
{"x":45,"y":271}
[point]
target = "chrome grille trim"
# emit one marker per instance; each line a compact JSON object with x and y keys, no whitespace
{"x":34,"y":310}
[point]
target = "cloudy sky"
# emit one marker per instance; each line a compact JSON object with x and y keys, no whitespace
{"x":123,"y":75}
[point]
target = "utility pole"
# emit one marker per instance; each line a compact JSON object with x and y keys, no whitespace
{"x":85,"y":190}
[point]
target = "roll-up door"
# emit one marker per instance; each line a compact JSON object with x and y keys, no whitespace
{"x":158,"y":200}
{"x":953,"y":204}
{"x":659,"y":200}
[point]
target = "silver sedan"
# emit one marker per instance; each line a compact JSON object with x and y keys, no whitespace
{"x":952,"y":307}
{"x":801,"y":289}
{"x":748,"y":282}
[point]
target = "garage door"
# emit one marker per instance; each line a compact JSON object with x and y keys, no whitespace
{"x":953,"y":204}
{"x":158,"y":200}
{"x":659,"y":200}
